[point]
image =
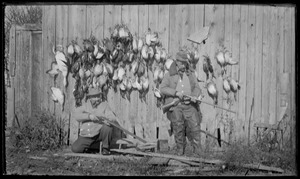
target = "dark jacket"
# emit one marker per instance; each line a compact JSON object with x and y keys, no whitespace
{"x":170,"y":80}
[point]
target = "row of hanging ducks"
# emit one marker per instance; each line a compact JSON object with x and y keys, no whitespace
{"x":223,"y":58}
{"x":121,"y":61}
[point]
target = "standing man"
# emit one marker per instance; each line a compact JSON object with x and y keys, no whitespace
{"x":93,"y":130}
{"x":178,"y":81}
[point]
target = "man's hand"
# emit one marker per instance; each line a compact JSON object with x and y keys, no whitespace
{"x":179,"y":95}
{"x":93,"y":118}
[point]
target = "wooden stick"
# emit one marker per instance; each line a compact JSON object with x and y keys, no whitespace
{"x":180,"y":158}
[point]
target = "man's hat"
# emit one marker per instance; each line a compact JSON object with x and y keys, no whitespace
{"x":93,"y":92}
{"x":182,"y":56}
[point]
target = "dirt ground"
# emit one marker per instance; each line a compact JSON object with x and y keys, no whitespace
{"x":26,"y":162}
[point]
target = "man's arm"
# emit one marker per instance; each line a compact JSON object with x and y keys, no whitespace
{"x":165,"y":86}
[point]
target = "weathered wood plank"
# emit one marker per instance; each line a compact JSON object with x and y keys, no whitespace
{"x":17,"y":74}
{"x":163,"y":28}
{"x":174,"y":29}
{"x":258,"y":64}
{"x":279,"y":56}
{"x":129,"y":17}
{"x":77,"y":29}
{"x":273,"y":44}
{"x":153,"y":24}
{"x":287,"y":66}
{"x":228,"y":33}
{"x":242,"y":71}
{"x":236,"y":28}
{"x":250,"y":72}
{"x":37,"y":88}
{"x":217,"y":41}
{"x":293,"y":74}
{"x":25,"y":77}
{"x":61,"y":38}
{"x":12,"y":67}
{"x":209,"y":111}
{"x":112,"y":16}
{"x":95,"y":21}
{"x":199,"y":24}
{"x":48,"y":26}
{"x":265,"y":64}
{"x":188,"y":23}
{"x":140,"y":106}
{"x":150,"y":107}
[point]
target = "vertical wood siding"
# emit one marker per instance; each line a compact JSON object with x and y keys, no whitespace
{"x":261,"y":39}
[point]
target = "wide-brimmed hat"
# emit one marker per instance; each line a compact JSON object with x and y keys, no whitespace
{"x":182,"y":56}
{"x":93,"y":92}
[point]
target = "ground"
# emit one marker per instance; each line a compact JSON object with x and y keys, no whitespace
{"x":22,"y":161}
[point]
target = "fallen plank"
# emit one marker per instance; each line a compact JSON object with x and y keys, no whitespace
{"x":193,"y":159}
{"x":38,"y":158}
{"x":260,"y":167}
{"x":183,"y":163}
{"x":158,"y":161}
{"x":97,"y":156}
{"x":180,"y":158}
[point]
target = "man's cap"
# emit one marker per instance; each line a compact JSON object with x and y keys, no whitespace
{"x":93,"y":92}
{"x":182,"y":56}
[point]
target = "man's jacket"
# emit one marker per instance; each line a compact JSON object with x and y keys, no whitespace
{"x":170,"y":80}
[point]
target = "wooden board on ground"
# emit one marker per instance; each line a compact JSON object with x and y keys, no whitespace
{"x":97,"y":156}
{"x":158,"y":161}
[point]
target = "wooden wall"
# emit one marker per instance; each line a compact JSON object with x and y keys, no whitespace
{"x":261,"y":39}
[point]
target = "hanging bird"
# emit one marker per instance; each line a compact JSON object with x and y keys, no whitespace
{"x":228,"y":58}
{"x":58,"y":96}
{"x":53,"y":72}
{"x":234,"y":86}
{"x":226,"y":85}
{"x":212,"y":91}
{"x":221,"y":60}
{"x":129,"y":88}
{"x":207,"y":67}
{"x":122,"y":87}
{"x":62,"y":62}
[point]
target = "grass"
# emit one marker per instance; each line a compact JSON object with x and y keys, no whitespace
{"x":43,"y":131}
{"x":254,"y":154}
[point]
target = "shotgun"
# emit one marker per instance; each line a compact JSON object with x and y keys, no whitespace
{"x":119,"y":127}
{"x":166,"y":107}
{"x":199,"y":100}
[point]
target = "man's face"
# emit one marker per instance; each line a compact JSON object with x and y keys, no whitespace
{"x":181,"y":66}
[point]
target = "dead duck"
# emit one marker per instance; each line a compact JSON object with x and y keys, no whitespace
{"x":62,"y":62}
{"x":234,"y":86}
{"x":221,"y":60}
{"x":207,"y":67}
{"x":58,"y":96}
{"x":212,"y":91}
{"x":228,"y":58}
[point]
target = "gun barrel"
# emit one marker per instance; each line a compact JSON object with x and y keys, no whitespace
{"x":210,"y":104}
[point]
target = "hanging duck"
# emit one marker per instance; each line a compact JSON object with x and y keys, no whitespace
{"x":62,"y":62}
{"x":58,"y":96}
{"x":212,"y":91}
{"x":53,"y":72}
{"x":228,"y":58}
{"x":221,"y":61}
{"x":234,"y":86}
{"x":207,"y":67}
{"x":226,"y":85}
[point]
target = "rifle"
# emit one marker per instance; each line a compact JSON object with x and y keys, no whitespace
{"x":199,"y":100}
{"x":119,"y":127}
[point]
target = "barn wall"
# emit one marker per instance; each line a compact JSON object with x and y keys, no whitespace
{"x":261,"y":39}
